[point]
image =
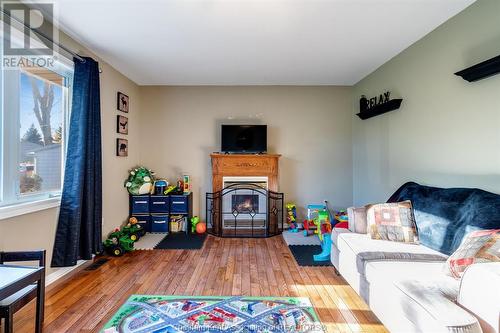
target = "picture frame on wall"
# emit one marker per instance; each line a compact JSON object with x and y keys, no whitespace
{"x":121,"y":147}
{"x":122,"y":102}
{"x":121,"y":124}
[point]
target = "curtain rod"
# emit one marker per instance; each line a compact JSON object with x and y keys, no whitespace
{"x":36,"y":31}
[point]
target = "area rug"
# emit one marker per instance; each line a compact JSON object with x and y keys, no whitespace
{"x":150,"y":313}
{"x":149,"y":241}
{"x":182,"y":241}
{"x":298,"y":238}
{"x":303,"y":255}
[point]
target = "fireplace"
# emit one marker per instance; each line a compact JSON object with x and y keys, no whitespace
{"x":245,"y":203}
{"x":244,"y":210}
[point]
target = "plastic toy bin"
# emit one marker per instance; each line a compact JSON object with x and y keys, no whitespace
{"x":139,"y":204}
{"x":178,"y":204}
{"x":159,"y":223}
{"x":159,"y":204}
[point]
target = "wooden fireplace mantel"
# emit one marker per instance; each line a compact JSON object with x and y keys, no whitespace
{"x":258,"y":165}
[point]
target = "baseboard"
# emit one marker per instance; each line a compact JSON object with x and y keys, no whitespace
{"x":66,"y":272}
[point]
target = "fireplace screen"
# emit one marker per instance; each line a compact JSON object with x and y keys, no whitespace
{"x":244,"y":210}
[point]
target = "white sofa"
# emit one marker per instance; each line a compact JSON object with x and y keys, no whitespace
{"x":405,"y":285}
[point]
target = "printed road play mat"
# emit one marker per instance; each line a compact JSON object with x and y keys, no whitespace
{"x":149,"y":313}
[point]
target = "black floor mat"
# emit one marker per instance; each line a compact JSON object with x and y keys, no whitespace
{"x":181,"y":241}
{"x":303,"y":255}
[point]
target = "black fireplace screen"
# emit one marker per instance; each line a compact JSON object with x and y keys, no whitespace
{"x":244,"y":210}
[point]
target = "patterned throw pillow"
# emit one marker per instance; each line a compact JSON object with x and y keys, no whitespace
{"x":392,"y":221}
{"x":479,"y":246}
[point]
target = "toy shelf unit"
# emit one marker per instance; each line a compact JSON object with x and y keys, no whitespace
{"x":244,"y":209}
{"x":155,"y":212}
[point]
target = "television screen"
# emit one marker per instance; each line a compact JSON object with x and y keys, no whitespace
{"x":244,"y":139}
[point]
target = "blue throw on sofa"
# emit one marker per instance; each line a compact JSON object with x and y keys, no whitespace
{"x":445,"y":216}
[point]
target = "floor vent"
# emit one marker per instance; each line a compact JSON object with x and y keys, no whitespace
{"x":96,"y":264}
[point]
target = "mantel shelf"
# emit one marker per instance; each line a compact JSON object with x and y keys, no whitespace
{"x":377,"y":110}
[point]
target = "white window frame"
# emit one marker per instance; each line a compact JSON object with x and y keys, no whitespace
{"x":11,"y":202}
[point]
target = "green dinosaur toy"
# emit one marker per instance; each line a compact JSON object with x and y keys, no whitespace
{"x":194,"y":221}
{"x":140,"y":181}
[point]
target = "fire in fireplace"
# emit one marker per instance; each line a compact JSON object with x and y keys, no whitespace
{"x":244,"y":203}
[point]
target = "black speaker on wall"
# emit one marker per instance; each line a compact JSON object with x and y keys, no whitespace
{"x":481,"y":71}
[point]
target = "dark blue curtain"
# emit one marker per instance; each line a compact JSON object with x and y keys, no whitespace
{"x":79,"y":228}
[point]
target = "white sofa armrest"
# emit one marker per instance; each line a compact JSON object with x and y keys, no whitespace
{"x":357,"y":219}
{"x":480,"y":294}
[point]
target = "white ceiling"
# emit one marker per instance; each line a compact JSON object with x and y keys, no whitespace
{"x":251,"y":42}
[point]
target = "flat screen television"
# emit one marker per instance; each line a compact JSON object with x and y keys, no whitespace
{"x":244,"y":139}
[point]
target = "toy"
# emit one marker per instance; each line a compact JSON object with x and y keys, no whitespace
{"x":194,"y":221}
{"x":341,"y":219}
{"x":186,"y":186}
{"x":201,"y":228}
{"x":140,"y":181}
{"x":169,"y":189}
{"x":291,"y":217}
{"x":118,"y":243}
{"x":133,"y":230}
{"x":325,"y":229}
{"x":180,"y":186}
{"x":160,"y":186}
{"x":312,"y":214}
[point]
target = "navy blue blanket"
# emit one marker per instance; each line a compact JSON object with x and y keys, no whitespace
{"x":445,"y":216}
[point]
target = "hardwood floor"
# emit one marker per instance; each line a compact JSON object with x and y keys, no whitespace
{"x":254,"y":267}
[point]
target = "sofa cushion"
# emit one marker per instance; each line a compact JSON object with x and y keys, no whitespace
{"x":430,"y":305}
{"x":445,"y":216}
{"x":392,"y":221}
{"x":479,"y":246}
{"x":365,"y":249}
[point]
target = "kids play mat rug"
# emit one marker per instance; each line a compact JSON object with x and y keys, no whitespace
{"x":149,"y":313}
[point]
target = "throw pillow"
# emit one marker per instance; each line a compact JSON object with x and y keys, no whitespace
{"x":392,"y":221}
{"x":478,"y":246}
{"x":357,"y":219}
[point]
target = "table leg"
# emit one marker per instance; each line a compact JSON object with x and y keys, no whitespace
{"x":40,"y":303}
{"x":9,"y":322}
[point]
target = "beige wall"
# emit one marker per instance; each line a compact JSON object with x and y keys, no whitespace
{"x":309,"y":126}
{"x":37,"y":230}
{"x":447,"y":132}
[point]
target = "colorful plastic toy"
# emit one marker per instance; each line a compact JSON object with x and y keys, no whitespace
{"x":160,"y":186}
{"x":133,"y":230}
{"x":291,"y":217}
{"x":194,"y":221}
{"x":169,"y":189}
{"x":118,"y":243}
{"x":325,"y":236}
{"x":186,"y":186}
{"x":310,"y":226}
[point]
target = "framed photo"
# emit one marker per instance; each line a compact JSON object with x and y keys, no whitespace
{"x":121,"y":124}
{"x":122,"y":102}
{"x":122,"y":147}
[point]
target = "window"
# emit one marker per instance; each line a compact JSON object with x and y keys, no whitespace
{"x":35,"y":114}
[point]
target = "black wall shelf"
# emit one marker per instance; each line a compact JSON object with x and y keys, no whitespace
{"x":481,"y":71}
{"x":379,"y":109}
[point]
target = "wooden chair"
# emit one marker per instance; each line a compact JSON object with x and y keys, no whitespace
{"x":14,"y":303}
